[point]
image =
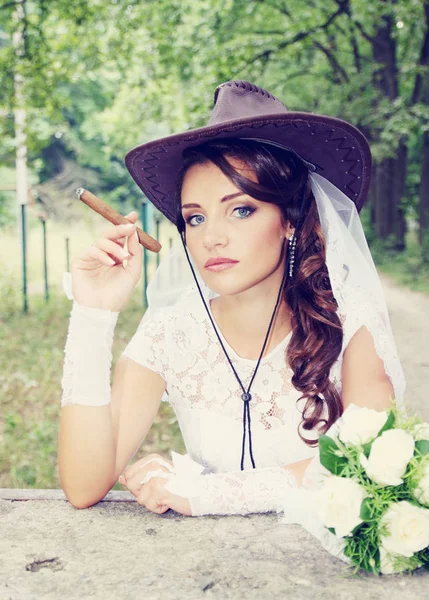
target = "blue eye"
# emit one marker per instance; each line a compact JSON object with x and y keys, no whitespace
{"x":245,"y":208}
{"x":189,"y":219}
{"x":248,"y":210}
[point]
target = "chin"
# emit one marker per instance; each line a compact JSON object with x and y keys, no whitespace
{"x":230,"y":286}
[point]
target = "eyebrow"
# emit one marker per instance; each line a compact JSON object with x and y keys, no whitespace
{"x":224,"y":199}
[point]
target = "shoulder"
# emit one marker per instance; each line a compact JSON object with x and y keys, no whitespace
{"x":363,"y":371}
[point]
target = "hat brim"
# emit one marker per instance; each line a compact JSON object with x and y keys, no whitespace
{"x":339,"y":151}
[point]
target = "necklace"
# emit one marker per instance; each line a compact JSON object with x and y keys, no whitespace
{"x":246,"y":396}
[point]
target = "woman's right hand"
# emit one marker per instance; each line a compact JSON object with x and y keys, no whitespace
{"x":99,"y":278}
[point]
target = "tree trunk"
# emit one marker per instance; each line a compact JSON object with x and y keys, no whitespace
{"x":383,"y":209}
{"x":398,"y":195}
{"x":390,"y":172}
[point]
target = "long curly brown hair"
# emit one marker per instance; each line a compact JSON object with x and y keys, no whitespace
{"x":316,"y":342}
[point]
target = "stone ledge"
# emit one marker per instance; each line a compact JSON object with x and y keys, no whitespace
{"x":116,"y":548}
{"x":17,"y":495}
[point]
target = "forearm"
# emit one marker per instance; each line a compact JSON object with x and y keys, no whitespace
{"x":86,"y":442}
{"x":258,"y":490}
{"x":242,"y":492}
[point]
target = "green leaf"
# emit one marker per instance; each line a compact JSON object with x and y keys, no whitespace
{"x":367,"y":448}
{"x":422,"y":446}
{"x":366,"y":510}
{"x":389,"y":424}
{"x":328,"y":457}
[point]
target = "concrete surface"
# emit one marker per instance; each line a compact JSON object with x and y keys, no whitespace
{"x":118,"y":549}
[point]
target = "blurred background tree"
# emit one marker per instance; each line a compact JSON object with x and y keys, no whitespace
{"x":103,"y":76}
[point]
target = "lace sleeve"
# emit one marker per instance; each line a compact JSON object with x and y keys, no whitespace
{"x":236,"y":492}
{"x":148,"y":346}
{"x":359,"y":311}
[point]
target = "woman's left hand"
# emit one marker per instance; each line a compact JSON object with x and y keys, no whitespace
{"x":153,"y":495}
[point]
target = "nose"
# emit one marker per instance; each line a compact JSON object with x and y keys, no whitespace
{"x":214,"y":235}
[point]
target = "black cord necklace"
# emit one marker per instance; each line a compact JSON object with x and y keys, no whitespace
{"x":246,"y":395}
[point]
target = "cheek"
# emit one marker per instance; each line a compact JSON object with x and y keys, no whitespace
{"x":267,"y":236}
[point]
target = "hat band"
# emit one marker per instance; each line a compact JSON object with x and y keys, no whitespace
{"x":308,"y":164}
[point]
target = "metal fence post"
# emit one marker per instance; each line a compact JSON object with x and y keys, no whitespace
{"x":145,"y":252}
{"x":45,"y":261}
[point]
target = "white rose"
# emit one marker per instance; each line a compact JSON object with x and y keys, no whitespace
{"x":408,"y":529}
{"x":339,"y":506}
{"x":422,"y":491}
{"x":389,"y":457}
{"x":359,"y":424}
{"x":387,"y":563}
{"x":421,"y":431}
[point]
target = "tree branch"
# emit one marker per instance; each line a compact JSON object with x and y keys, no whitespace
{"x":355,"y":48}
{"x":11,"y":4}
{"x":266,"y":54}
{"x":423,"y":60}
{"x":281,"y":8}
{"x":261,"y":32}
{"x":336,"y":67}
{"x":347,"y":9}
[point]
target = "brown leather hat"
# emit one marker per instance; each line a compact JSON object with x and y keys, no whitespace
{"x":330,"y":147}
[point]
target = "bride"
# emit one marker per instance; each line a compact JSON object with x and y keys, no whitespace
{"x":266,"y":319}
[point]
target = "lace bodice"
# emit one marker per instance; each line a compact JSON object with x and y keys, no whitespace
{"x":179,"y":344}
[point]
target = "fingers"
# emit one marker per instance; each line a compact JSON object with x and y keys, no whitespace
{"x":111,"y":248}
{"x":153,"y":497}
{"x":143,"y":462}
{"x":116,"y":232}
{"x":134,"y":475}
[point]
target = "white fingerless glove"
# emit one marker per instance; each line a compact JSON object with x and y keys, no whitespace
{"x":233,"y":493}
{"x":259,"y":490}
{"x":88,"y":353}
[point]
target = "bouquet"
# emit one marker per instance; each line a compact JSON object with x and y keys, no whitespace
{"x":374,"y":493}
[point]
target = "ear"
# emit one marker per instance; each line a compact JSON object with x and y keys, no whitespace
{"x":288,"y":230}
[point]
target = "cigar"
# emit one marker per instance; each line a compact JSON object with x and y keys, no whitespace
{"x":116,"y":218}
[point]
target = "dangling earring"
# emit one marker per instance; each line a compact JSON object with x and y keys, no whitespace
{"x":292,"y":245}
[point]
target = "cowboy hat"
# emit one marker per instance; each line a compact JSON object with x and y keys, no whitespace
{"x":331,"y":147}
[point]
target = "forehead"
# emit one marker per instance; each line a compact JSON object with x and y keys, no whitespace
{"x":212,"y":180}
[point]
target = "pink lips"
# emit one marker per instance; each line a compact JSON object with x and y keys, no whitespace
{"x":220,"y":264}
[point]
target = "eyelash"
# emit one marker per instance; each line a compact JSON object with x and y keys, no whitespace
{"x":251,"y":210}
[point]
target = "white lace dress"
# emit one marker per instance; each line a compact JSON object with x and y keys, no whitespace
{"x":181,"y":346}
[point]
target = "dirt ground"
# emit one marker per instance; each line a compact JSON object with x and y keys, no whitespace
{"x":409,"y":315}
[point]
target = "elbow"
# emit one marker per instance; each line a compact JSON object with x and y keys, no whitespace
{"x":84,"y":493}
{"x":84,"y":500}
{"x":81,"y":503}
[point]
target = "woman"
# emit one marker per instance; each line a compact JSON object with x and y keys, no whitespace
{"x":283,"y":326}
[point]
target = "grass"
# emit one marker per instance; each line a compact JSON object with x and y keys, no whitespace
{"x":405,"y":268}
{"x":31,"y":363}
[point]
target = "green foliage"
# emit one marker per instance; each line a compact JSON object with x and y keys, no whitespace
{"x":331,"y":456}
{"x":407,"y":268}
{"x":422,"y":447}
{"x":158,"y":62}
